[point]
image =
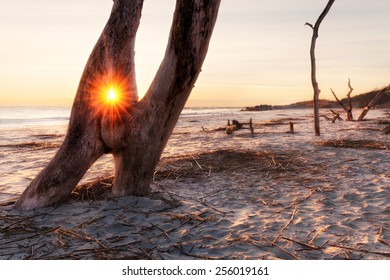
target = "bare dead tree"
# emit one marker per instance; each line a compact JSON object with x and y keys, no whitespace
{"x":349,"y":109}
{"x":373,"y":102}
{"x":135,"y":132}
{"x":313,"y":66}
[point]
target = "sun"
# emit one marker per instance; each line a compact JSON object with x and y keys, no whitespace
{"x":112,"y":96}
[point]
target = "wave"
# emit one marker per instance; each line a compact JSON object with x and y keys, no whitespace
{"x":33,"y":121}
{"x":43,"y":116}
{"x":210,"y":111}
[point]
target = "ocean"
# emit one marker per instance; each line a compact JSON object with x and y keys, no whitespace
{"x":29,"y":116}
{"x":47,"y":116}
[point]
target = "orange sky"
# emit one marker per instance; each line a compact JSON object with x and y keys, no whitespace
{"x":259,"y":52}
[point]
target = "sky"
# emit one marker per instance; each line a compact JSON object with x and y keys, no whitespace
{"x":259,"y":52}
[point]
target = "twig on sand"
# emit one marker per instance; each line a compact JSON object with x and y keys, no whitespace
{"x":380,"y":239}
{"x":31,"y":236}
{"x":383,"y":242}
{"x":204,"y":220}
{"x":299,"y":201}
{"x":167,"y":232}
{"x":18,"y":222}
{"x":302,"y":243}
{"x":88,"y":222}
{"x":193,"y":255}
{"x":73,"y":234}
{"x":212,"y":207}
{"x":163,"y":231}
{"x":200,"y":167}
{"x":146,"y":253}
{"x":361,"y":250}
{"x":280,"y":248}
{"x":286,"y":225}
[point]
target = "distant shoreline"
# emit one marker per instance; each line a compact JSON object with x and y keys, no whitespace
{"x":358,"y":101}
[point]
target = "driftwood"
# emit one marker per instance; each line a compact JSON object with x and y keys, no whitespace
{"x":349,"y":109}
{"x":336,"y":116}
{"x":135,"y":132}
{"x":292,"y":128}
{"x":370,"y":105}
{"x":373,"y":102}
{"x":313,"y":67}
{"x":326,"y":117}
{"x":236,"y":125}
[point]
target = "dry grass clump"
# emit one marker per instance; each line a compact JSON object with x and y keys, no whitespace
{"x":355,"y":144}
{"x":203,"y":165}
{"x":229,"y":162}
{"x":47,"y":136}
{"x":98,"y":189}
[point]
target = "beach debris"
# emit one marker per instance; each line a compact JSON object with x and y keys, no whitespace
{"x":291,"y":131}
{"x":236,"y":125}
{"x":349,"y":109}
{"x":286,"y":225}
{"x":355,"y":144}
{"x":336,"y":116}
{"x":229,"y":129}
{"x":366,"y":108}
{"x":33,"y":145}
{"x":326,"y":117}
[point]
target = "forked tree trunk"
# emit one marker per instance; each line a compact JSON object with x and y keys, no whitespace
{"x":348,"y":110}
{"x":134,"y":132}
{"x":314,"y":69}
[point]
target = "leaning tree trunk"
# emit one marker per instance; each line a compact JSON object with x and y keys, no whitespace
{"x":134,"y":132}
{"x":314,"y":68}
{"x":372,"y":103}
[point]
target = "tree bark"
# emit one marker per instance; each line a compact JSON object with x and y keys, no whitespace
{"x":387,"y":130}
{"x":134,"y":132}
{"x":313,"y":67}
{"x":372,"y":103}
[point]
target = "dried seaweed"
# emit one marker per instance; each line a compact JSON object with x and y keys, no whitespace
{"x":227,"y":161}
{"x":96,"y":190}
{"x":355,"y":144}
{"x":32,"y":145}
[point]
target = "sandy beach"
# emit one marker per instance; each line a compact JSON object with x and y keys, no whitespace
{"x":275,"y":195}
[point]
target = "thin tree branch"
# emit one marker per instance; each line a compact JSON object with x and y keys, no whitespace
{"x":349,"y":95}
{"x":309,"y":24}
{"x":339,"y":101}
